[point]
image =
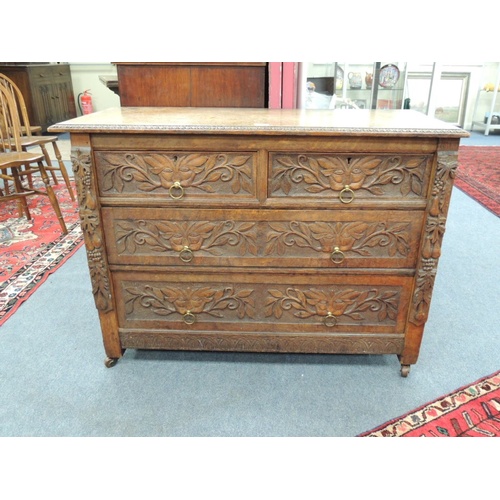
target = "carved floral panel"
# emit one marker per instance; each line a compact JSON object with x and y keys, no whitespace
{"x":280,"y":240}
{"x":343,"y":304}
{"x":339,"y":305}
{"x":160,"y":173}
{"x":175,"y":301}
{"x":375,"y":176}
{"x":174,"y":237}
{"x":364,"y":239}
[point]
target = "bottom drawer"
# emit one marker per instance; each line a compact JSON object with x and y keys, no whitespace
{"x":253,"y":309}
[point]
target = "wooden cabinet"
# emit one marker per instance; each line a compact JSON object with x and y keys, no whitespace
{"x":193,"y":84}
{"x":47,"y":90}
{"x":299,"y":231}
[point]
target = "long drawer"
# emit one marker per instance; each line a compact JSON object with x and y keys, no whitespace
{"x":263,"y":238}
{"x":251,"y":301}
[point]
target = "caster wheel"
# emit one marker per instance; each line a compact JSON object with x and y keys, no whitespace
{"x":405,"y":370}
{"x":110,"y":362}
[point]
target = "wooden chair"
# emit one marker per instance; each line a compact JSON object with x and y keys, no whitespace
{"x":15,"y":162}
{"x":29,"y":140}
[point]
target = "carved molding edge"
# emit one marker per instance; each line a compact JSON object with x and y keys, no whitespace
{"x":435,"y":226}
{"x":410,"y":132}
{"x":92,"y":228}
{"x":260,"y":342}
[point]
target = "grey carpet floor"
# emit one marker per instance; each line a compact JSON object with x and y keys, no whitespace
{"x":53,"y":381}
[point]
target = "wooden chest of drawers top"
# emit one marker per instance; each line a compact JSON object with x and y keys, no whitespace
{"x":232,"y":121}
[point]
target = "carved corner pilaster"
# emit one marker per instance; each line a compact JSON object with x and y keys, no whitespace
{"x":92,"y":227}
{"x":435,"y":225}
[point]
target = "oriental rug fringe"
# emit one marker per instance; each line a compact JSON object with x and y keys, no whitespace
{"x":31,"y":250}
{"x":478,"y":175}
{"x":471,"y":411}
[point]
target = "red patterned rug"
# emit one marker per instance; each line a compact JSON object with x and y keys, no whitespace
{"x":30,"y":250}
{"x":471,"y":411}
{"x":478,"y":175}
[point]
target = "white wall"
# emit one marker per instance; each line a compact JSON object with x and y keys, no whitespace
{"x":86,"y":77}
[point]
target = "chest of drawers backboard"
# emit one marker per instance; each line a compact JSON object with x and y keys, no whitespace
{"x":263,"y":230}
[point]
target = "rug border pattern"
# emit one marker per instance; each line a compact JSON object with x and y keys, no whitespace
{"x":27,"y":279}
{"x":436,"y":409}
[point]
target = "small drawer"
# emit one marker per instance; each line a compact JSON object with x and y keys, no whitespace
{"x":326,"y":239}
{"x":253,"y":301}
{"x":349,"y":179}
{"x":177,"y":177}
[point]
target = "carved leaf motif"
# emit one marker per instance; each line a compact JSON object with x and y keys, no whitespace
{"x":91,"y":228}
{"x":358,"y":237}
{"x":148,"y":172}
{"x":239,"y":161}
{"x":164,"y":301}
{"x":367,"y":164}
{"x":286,"y":162}
{"x":370,"y":173}
{"x":176,"y":235}
{"x":347,"y":302}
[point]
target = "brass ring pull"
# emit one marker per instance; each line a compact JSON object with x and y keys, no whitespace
{"x":186,"y":254}
{"x":346,"y":195}
{"x":189,"y":318}
{"x":337,"y":256}
{"x":330,"y":320}
{"x":176,"y":191}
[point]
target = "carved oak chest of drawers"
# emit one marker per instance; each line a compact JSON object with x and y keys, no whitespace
{"x":263,"y":230}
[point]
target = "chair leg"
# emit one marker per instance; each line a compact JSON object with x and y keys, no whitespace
{"x":49,"y":165}
{"x":28,"y":176}
{"x":52,"y":197}
{"x":22,"y":203}
{"x":64,"y":172}
{"x":6,"y":186}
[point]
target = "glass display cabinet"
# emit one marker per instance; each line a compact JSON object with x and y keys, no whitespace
{"x":371,"y":85}
{"x":486,"y":115}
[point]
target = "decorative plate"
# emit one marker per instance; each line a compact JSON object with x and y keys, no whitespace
{"x":389,"y":75}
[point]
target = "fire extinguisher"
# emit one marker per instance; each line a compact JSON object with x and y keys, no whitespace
{"x":85,"y":102}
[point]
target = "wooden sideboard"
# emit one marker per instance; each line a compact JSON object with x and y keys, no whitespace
{"x":241,"y":85}
{"x":298,"y":231}
{"x":47,"y":90}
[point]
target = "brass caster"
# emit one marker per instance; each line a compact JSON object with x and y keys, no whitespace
{"x":110,"y":362}
{"x":405,"y":370}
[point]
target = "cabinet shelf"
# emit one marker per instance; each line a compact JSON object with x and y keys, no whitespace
{"x":493,"y":115}
{"x":330,"y":85}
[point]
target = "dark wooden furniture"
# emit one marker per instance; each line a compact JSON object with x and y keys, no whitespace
{"x":301,"y":231}
{"x":193,"y":84}
{"x":47,"y":90}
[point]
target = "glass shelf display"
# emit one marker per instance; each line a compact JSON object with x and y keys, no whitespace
{"x":379,"y":85}
{"x":486,"y":115}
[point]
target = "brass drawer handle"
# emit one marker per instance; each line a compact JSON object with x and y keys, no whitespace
{"x":189,"y":318}
{"x":346,"y":195}
{"x":176,"y":191}
{"x":330,"y":320}
{"x":337,"y":256}
{"x":186,"y":254}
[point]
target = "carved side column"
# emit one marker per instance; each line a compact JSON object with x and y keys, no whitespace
{"x":435,"y":225}
{"x":91,"y":223}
